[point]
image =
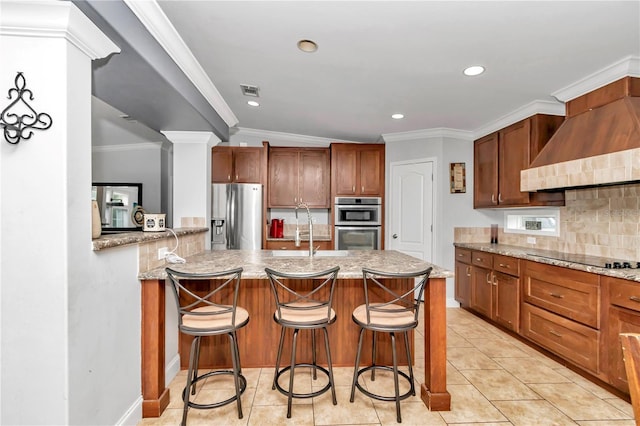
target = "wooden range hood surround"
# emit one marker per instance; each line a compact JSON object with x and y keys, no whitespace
{"x":598,"y":143}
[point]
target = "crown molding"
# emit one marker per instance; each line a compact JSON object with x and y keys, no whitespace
{"x":276,"y":137}
{"x":440,"y":132}
{"x":628,"y":66}
{"x":47,"y":19}
{"x":526,"y":111}
{"x":159,"y":26}
{"x":128,"y":147}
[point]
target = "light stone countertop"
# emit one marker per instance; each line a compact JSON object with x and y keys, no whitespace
{"x":125,"y":238}
{"x":253,"y":263}
{"x":571,"y":261}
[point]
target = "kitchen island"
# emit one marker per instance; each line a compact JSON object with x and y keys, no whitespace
{"x":258,"y":340}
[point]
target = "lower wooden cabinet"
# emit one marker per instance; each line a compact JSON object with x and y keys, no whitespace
{"x":623,"y":316}
{"x":463,"y":277}
{"x":494,"y":293}
{"x":569,"y":339}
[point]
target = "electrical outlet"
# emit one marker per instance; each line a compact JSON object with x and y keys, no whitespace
{"x":162,"y":252}
{"x":531,"y":240}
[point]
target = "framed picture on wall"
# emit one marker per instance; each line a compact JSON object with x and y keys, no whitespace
{"x":457,"y":178}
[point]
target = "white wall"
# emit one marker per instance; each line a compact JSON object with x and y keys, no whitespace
{"x":451,"y":210}
{"x":137,"y":163}
{"x":59,"y":338}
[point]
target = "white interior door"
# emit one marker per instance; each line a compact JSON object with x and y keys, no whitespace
{"x":411,"y":209}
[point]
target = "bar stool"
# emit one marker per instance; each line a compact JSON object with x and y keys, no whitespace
{"x":299,"y":309}
{"x":200,"y":316}
{"x":396,"y":313}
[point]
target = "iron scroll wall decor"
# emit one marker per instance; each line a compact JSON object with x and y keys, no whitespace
{"x":19,"y":119}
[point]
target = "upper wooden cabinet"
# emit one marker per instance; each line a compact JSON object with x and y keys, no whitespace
{"x":236,"y":164}
{"x":299,"y":175}
{"x":499,"y":158}
{"x":357,"y":169}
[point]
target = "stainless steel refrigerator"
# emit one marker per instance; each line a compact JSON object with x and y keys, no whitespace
{"x":236,"y":216}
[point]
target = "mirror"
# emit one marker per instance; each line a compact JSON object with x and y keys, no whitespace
{"x":116,"y":202}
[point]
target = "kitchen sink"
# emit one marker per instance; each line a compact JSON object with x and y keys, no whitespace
{"x":305,"y":253}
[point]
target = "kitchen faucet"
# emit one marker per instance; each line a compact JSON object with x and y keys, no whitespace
{"x":311,"y":250}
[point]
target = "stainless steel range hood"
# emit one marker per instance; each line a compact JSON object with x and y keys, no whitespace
{"x":598,"y":144}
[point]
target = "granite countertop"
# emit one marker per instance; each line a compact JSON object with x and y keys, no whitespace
{"x":253,"y":263}
{"x":567,"y":260}
{"x":125,"y":238}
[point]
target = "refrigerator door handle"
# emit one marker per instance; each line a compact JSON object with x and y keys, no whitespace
{"x":230,"y":217}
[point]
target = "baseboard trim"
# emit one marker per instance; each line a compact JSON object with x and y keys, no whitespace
{"x":172,"y":369}
{"x":133,"y":415}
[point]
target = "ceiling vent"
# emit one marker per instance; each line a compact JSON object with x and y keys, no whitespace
{"x":249,"y":90}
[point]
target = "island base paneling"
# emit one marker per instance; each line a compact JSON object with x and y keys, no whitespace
{"x":258,"y":340}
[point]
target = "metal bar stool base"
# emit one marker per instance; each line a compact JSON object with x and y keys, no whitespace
{"x":406,"y":395}
{"x":243,"y":387}
{"x":303,"y":395}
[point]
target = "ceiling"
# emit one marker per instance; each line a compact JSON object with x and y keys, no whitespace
{"x":379,"y":58}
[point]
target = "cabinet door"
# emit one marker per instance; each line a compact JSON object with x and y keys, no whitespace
{"x":344,"y":169}
{"x":514,"y":156}
{"x":463,"y":283}
{"x":485,"y":171}
{"x":620,"y":321}
{"x":313,"y":178}
{"x":482,"y":291}
{"x":283,"y":178}
{"x":246,"y":162}
{"x":507,"y":303}
{"x":371,"y":174}
{"x":221,"y":164}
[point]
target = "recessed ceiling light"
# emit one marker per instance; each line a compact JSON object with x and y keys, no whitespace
{"x":253,"y":103}
{"x":473,"y":70}
{"x":308,"y":46}
{"x":397,"y":116}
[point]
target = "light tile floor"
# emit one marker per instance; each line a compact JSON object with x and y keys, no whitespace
{"x":493,"y":379}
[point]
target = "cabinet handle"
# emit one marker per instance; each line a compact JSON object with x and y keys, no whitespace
{"x":468,"y":271}
{"x":493,"y":198}
{"x":295,"y":199}
{"x":478,"y":259}
{"x":556,"y":295}
{"x":488,"y":280}
{"x":634,"y":298}
{"x":229,"y":178}
{"x":362,"y":190}
{"x":553,"y":333}
{"x":502,"y":265}
{"x":499,"y":198}
{"x":460,"y":255}
{"x":353,"y":188}
{"x":494,"y":281}
{"x":236,"y":177}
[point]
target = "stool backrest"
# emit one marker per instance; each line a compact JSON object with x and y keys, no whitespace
{"x":292,"y":294}
{"x":205,"y":294}
{"x":388,"y":300}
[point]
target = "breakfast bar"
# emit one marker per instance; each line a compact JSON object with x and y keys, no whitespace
{"x":258,"y":341}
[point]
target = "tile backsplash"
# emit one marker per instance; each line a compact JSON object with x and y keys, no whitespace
{"x":601,"y":221}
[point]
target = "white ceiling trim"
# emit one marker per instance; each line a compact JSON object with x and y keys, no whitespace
{"x":55,"y":20}
{"x":181,"y":137}
{"x":271,"y":136}
{"x":128,"y":147}
{"x":629,"y":66}
{"x":441,"y":132}
{"x":159,"y":26}
{"x":532,"y":108}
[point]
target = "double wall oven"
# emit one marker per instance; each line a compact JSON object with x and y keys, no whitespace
{"x":358,"y":223}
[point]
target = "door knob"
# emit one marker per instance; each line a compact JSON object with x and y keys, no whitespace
{"x":395,"y":236}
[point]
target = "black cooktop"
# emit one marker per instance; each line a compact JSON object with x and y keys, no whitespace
{"x":600,"y":262}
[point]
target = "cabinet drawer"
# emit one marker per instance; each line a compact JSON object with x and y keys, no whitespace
{"x":572,"y":341}
{"x":482,"y":258}
{"x":567,"y":292}
{"x":506,"y":264}
{"x":625,"y":294}
{"x":463,"y":255}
